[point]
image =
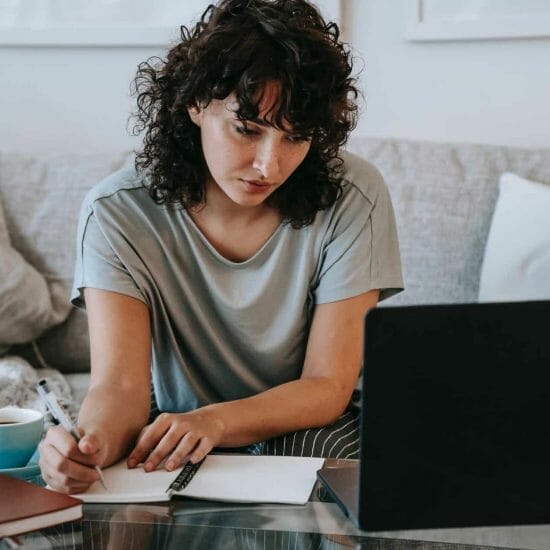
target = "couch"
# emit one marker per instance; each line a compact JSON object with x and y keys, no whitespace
{"x":444,"y":196}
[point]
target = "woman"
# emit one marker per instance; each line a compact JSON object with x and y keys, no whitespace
{"x":234,"y":264}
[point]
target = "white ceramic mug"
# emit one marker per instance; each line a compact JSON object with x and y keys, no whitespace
{"x":20,"y":433}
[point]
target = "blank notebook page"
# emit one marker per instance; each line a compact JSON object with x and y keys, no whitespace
{"x":234,"y":478}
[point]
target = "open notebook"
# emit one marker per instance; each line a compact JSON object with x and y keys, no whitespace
{"x":232,"y":478}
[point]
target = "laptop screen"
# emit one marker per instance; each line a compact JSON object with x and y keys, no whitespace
{"x":456,"y":415}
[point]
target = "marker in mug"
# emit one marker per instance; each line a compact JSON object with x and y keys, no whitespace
{"x":60,"y":416}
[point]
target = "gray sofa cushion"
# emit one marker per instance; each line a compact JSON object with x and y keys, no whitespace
{"x":444,"y":196}
{"x":25,"y":305}
{"x":41,"y":198}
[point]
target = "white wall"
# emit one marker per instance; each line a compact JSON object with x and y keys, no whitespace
{"x":77,"y":99}
{"x":66,"y":99}
{"x":493,"y":91}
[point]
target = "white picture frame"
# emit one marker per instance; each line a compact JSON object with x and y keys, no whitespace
{"x":439,"y":20}
{"x":105,"y":23}
{"x":101,"y":23}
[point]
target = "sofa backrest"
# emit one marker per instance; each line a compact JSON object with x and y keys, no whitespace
{"x":41,"y":199}
{"x":444,"y":195}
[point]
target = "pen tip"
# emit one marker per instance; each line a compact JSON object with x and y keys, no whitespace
{"x":101,"y":478}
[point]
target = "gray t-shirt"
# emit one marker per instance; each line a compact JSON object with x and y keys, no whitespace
{"x":225,"y":330}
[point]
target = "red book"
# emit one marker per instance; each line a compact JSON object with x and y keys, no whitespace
{"x":25,"y":507}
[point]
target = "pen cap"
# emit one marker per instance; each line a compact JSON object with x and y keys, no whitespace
{"x":57,"y":411}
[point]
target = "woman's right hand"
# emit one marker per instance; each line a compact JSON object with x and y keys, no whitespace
{"x":67,"y":465}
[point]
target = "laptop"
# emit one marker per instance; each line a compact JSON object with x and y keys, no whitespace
{"x":455,"y":419}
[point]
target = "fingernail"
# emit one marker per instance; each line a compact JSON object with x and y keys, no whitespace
{"x":170,"y":465}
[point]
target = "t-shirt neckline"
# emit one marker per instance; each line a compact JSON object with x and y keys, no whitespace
{"x":220,"y":257}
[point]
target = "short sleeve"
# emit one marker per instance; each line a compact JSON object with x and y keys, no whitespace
{"x":362,"y":251}
{"x":97,"y":265}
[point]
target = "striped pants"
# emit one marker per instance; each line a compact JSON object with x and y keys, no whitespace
{"x":338,"y":440}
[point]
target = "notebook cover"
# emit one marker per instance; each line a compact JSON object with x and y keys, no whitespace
{"x":24,"y":502}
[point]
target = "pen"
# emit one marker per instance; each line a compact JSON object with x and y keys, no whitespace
{"x":60,"y":416}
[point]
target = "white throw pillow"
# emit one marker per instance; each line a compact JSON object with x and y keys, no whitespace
{"x":25,"y":304}
{"x":516,"y":265}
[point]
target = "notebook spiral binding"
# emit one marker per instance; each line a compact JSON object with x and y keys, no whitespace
{"x":185,"y":476}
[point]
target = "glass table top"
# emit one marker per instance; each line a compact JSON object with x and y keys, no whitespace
{"x":320,"y":524}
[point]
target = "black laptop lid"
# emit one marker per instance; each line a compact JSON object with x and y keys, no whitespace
{"x":456,"y":414}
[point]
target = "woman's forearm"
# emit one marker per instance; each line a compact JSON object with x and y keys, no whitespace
{"x":300,"y":404}
{"x":115,"y":416}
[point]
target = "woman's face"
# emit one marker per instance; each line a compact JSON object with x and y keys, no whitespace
{"x":248,"y":160}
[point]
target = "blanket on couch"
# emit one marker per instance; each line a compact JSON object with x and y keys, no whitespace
{"x":18,"y":380}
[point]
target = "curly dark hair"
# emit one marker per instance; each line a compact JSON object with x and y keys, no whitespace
{"x":237,"y":47}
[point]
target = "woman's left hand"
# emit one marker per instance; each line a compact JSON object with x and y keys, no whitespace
{"x":175,"y":437}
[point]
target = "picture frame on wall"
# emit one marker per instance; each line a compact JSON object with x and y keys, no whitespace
{"x":106,"y":23}
{"x":102,"y":23}
{"x":439,"y":20}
